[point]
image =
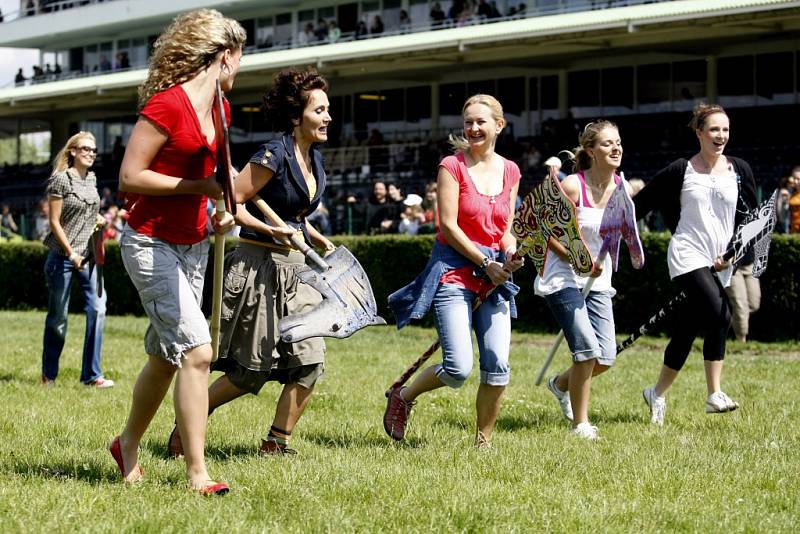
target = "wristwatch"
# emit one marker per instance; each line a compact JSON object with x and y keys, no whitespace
{"x":485,"y":263}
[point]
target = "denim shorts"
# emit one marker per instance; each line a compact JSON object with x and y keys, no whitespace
{"x":455,"y":319}
{"x":169,"y":279}
{"x":588,"y":324}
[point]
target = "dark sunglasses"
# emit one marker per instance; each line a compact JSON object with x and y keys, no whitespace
{"x":87,"y":149}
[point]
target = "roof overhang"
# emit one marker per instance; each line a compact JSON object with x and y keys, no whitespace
{"x":546,"y":39}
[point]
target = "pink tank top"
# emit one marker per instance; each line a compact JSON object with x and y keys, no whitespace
{"x":483,"y":218}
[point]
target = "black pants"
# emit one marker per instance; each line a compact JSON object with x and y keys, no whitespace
{"x":706,"y":308}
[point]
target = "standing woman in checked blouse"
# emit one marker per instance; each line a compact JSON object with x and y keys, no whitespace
{"x":74,"y":212}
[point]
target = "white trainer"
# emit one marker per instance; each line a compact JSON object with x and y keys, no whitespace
{"x":657,"y":405}
{"x":586,"y":431}
{"x":561,"y":396}
{"x":719,"y":402}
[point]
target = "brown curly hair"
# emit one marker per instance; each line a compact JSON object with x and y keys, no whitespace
{"x":701,"y":112}
{"x":190,"y":44}
{"x":285,"y":101}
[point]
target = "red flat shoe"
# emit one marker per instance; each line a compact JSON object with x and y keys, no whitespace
{"x":134,"y":476}
{"x":213,"y":488}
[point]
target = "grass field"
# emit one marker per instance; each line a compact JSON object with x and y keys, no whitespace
{"x":736,"y":472}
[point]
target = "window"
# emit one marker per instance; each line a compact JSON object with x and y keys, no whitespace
{"x":583,"y":93}
{"x":511,"y":93}
{"x":775,"y":78}
{"x":392,"y":104}
{"x":736,"y":79}
{"x":616,"y":90}
{"x":483,"y":87}
{"x":265,"y":32}
{"x":688,"y":84}
{"x":653,"y":82}
{"x":418,"y":103}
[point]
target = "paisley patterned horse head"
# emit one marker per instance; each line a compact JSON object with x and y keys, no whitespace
{"x":547,"y":212}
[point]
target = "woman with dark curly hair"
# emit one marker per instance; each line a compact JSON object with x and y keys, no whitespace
{"x":168,"y":165}
{"x":261,"y":285}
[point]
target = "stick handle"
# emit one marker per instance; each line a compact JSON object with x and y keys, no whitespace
{"x":294,"y":240}
{"x":219,"y":268}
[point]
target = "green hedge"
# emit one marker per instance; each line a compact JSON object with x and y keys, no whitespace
{"x":393,"y":261}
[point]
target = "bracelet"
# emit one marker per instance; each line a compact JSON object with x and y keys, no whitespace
{"x":485,"y":263}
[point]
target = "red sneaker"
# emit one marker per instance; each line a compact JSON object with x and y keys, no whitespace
{"x":396,"y":415}
{"x":268,"y":448}
{"x":211,"y":489}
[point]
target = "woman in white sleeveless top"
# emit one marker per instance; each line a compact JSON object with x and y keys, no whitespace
{"x":588,"y":323}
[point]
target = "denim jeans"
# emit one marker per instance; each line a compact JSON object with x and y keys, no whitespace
{"x":455,"y":319}
{"x":58,"y":272}
{"x":588,"y":323}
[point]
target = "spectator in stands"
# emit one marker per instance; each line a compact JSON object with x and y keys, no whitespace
{"x":405,"y":21}
{"x":74,"y":213}
{"x":554,"y":163}
{"x":38,"y":74}
{"x":7,"y":223}
{"x":307,"y":35}
{"x":437,"y":15}
{"x":30,"y":8}
{"x":165,"y":245}
{"x":785,"y":190}
{"x":105,"y":63}
{"x":106,"y":200}
{"x":484,"y":10}
{"x":376,"y":28}
{"x":794,"y":209}
{"x":41,"y":220}
{"x":20,"y":78}
{"x":377,"y":209}
{"x":412,"y":217}
{"x":532,"y":159}
{"x":467,"y":13}
{"x":48,"y":71}
{"x":123,"y":60}
{"x":334,"y":33}
{"x":745,"y":296}
{"x":320,"y":218}
{"x":57,"y":70}
{"x":1,"y":16}
{"x":361,"y":30}
{"x":321,"y":31}
{"x":431,"y":207}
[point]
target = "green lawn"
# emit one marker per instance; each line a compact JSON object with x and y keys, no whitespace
{"x":712,"y":473}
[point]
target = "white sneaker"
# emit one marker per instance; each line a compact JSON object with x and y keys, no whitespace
{"x":657,"y":405}
{"x":719,"y":402}
{"x":586,"y":431}
{"x":101,"y":383}
{"x":561,"y":396}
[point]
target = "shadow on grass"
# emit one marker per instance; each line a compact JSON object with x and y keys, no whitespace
{"x":345,"y":441}
{"x":86,"y":471}
{"x":510,"y":422}
{"x":8,"y":377}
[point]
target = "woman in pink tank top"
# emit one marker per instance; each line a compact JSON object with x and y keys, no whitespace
{"x":476,"y":193}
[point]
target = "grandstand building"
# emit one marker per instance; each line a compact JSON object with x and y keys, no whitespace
{"x":397,"y":86}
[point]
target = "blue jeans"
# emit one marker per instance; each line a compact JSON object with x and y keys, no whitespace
{"x":588,"y":324}
{"x":455,"y":319}
{"x":58,"y":271}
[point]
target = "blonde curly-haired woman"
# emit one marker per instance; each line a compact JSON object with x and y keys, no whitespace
{"x":167,"y":167}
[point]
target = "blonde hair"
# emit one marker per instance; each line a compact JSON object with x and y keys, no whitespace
{"x":459,"y":142}
{"x":701,"y":112}
{"x":581,"y":158}
{"x":191,"y":43}
{"x":64,"y":159}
